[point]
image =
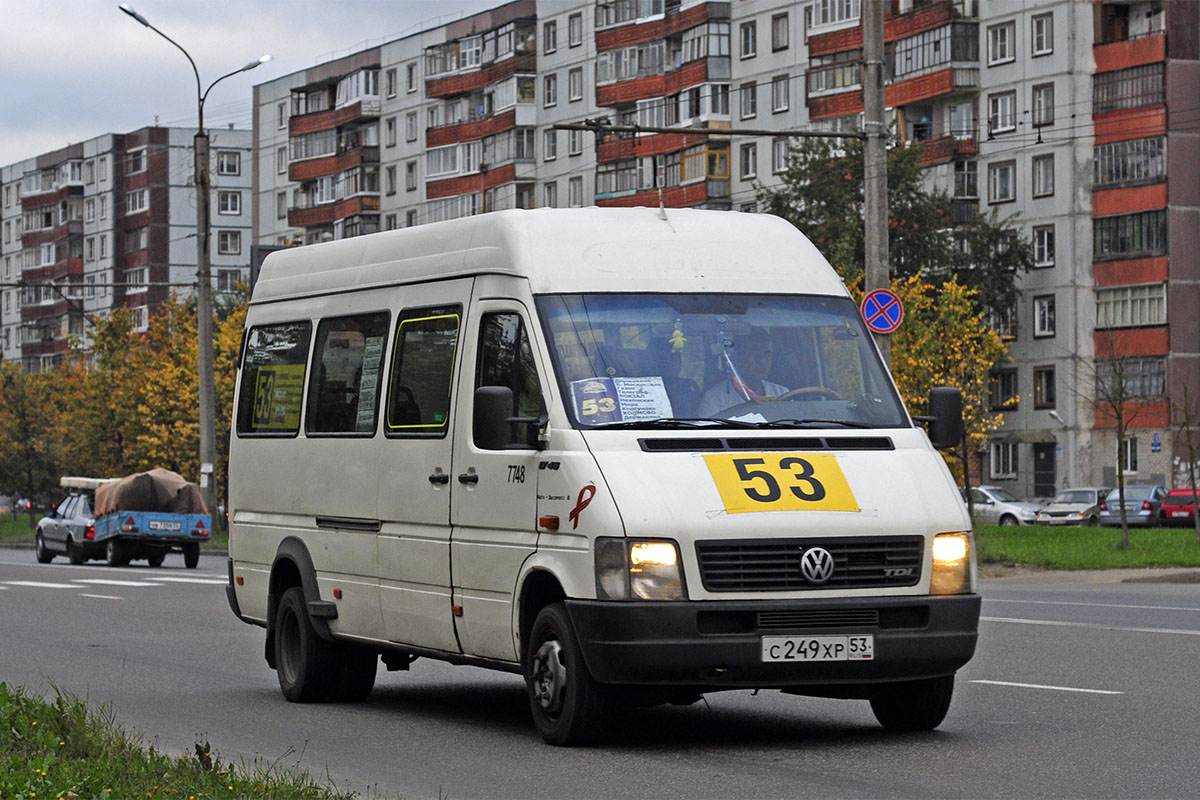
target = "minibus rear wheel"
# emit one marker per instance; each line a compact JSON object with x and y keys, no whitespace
{"x":913,"y":705}
{"x":568,"y":706}
{"x":305,"y":663}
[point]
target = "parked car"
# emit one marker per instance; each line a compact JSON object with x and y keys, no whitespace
{"x":1178,"y":508}
{"x":1074,"y":507}
{"x":1143,"y":502}
{"x":995,"y":505}
{"x":66,"y":530}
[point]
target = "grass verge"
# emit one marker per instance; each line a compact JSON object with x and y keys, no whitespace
{"x":1087,"y":548}
{"x":65,"y":750}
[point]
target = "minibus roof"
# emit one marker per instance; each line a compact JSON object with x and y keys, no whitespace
{"x":567,"y":250}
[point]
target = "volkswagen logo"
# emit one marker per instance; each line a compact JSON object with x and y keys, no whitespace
{"x":816,"y":565}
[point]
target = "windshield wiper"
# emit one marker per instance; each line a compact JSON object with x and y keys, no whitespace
{"x":678,"y":422}
{"x":811,"y":423}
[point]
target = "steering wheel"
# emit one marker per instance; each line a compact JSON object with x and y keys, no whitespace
{"x":821,"y":391}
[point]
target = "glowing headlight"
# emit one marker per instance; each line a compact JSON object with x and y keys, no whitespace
{"x":951,"y":564}
{"x":638,"y":569}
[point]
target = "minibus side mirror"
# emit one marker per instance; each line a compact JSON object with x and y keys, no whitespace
{"x":493,"y":423}
{"x":945,"y":416}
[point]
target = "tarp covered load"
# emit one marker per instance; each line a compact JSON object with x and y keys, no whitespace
{"x":156,"y":490}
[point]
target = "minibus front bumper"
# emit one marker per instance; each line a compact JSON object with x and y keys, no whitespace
{"x":719,"y":644}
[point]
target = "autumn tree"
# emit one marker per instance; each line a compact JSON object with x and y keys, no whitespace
{"x":30,"y":455}
{"x":1115,"y":403}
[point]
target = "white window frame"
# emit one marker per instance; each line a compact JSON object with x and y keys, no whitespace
{"x":550,"y":90}
{"x":281,"y":115}
{"x":1002,"y":112}
{"x":748,"y":161}
{"x":1137,"y":306}
{"x":229,"y":202}
{"x":137,"y":201}
{"x":281,"y":205}
{"x":1043,"y":175}
{"x":574,"y":143}
{"x":1001,"y":43}
{"x":995,"y":173}
{"x":550,"y":194}
{"x":1043,"y":245}
{"x":748,"y":39}
{"x":1041,"y":34}
{"x":1004,"y":459}
{"x":389,"y":132}
{"x":779,"y":151}
{"x":1043,"y":316}
{"x":780,"y":32}
{"x":229,"y":162}
{"x":1043,"y":105}
{"x":550,"y":37}
{"x":575,"y":191}
{"x":410,"y":77}
{"x":780,"y":94}
{"x":229,"y":243}
{"x":549,"y":144}
{"x":575,"y":84}
{"x":281,"y":160}
{"x":1130,"y":445}
{"x":575,"y":30}
{"x":749,"y":100}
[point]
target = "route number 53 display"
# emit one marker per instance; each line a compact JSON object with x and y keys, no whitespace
{"x":780,"y":482}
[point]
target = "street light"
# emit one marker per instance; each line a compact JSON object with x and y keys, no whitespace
{"x":204,"y":359}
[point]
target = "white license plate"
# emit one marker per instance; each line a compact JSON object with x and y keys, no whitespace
{"x":1180,"y":514}
{"x":156,"y":525}
{"x":818,"y":648}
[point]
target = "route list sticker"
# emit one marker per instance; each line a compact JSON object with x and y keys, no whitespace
{"x":601,"y":400}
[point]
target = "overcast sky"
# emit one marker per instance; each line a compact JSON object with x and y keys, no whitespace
{"x":71,"y":70}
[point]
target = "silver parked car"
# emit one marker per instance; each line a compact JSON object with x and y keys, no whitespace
{"x":1143,"y":501}
{"x":995,"y":505}
{"x":1074,"y":507}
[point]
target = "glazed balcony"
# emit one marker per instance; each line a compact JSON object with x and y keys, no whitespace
{"x":311,"y":168}
{"x":306,"y":216}
{"x":334,"y":118}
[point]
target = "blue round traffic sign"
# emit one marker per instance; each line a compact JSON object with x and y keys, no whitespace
{"x":882,"y":310}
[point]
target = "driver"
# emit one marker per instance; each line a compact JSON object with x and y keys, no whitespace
{"x":750,"y":358}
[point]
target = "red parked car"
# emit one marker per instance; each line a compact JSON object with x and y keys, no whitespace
{"x":1177,"y":508}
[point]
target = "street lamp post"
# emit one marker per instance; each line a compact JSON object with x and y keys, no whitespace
{"x":204,"y":325}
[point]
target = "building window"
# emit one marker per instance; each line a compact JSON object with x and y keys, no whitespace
{"x":281,"y":205}
{"x":1142,"y":378}
{"x":1130,"y":161}
{"x":1043,"y":246}
{"x":749,"y":39}
{"x":389,"y":82}
{"x":779,"y":93}
{"x":779,"y":154}
{"x":410,"y":77}
{"x":550,"y":90}
{"x":749,"y":161}
{"x":389,"y":179}
{"x":1043,"y":387}
{"x":550,"y":37}
{"x":1129,"y":235}
{"x":829,"y":12}
{"x":139,"y":318}
{"x":1043,"y":34}
{"x":1004,"y":322}
{"x":1003,"y":394}
{"x":575,"y":84}
{"x":575,"y":30}
{"x":549,"y":144}
{"x":966,"y":180}
{"x":229,"y":202}
{"x":389,"y":132}
{"x":410,"y":176}
{"x":89,"y":216}
{"x":1002,"y":112}
{"x":1002,"y":182}
{"x":1131,"y":306}
{"x":1004,"y":460}
{"x":229,"y":162}
{"x":1129,"y":449}
{"x":779,"y":32}
{"x":281,"y":160}
{"x":575,"y":192}
{"x":104,"y":206}
{"x":410,"y":219}
{"x":229,"y":243}
{"x":749,"y":94}
{"x":1043,"y":175}
{"x":1043,"y":316}
{"x":227,"y":280}
{"x":135,"y":161}
{"x":389,"y":222}
{"x":550,"y":194}
{"x":574,"y":143}
{"x":136,"y":201}
{"x":1043,"y":105}
{"x":281,"y":115}
{"x":1127,"y":88}
{"x":1000,"y":43}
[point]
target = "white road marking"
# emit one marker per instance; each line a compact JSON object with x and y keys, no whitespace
{"x":110,"y":582}
{"x":209,"y":581}
{"x":1093,"y":605}
{"x":1093,"y":625}
{"x":1040,"y":686}
{"x":42,"y":584}
{"x":101,"y":596}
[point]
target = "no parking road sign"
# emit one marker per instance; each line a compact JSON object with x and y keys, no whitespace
{"x":882,"y":311}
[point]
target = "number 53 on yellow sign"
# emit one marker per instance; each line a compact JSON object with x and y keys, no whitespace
{"x":780,"y":482}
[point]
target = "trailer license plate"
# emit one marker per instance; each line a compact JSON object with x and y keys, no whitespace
{"x":158,"y":525}
{"x":818,"y":648}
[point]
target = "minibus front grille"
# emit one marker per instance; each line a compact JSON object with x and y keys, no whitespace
{"x":766,"y":565}
{"x":819,"y":618}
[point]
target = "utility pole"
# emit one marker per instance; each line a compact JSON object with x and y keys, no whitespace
{"x":875,"y":216}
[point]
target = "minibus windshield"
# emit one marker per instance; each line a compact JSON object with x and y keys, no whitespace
{"x":731,"y":360}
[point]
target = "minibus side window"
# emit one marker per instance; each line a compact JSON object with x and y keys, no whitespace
{"x":506,"y":359}
{"x":343,"y":395}
{"x":272,"y":386}
{"x":422,"y":369}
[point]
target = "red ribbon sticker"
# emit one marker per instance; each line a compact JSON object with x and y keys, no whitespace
{"x":585,"y":496}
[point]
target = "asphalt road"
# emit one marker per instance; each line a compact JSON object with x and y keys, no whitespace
{"x":1081,"y":687}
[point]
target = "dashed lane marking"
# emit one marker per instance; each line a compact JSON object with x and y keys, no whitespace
{"x":1052,"y":688}
{"x":101,"y":596}
{"x":208,"y":581}
{"x":43,"y":584}
{"x":111,"y":582}
{"x":1092,"y":625}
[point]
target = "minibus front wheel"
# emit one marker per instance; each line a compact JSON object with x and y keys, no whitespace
{"x":913,"y":705}
{"x":568,"y":706}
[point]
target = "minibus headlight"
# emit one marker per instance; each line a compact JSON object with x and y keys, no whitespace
{"x":638,"y":569}
{"x":951,"y":564}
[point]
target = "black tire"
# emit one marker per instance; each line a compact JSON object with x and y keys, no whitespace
{"x":156,"y":559}
{"x":356,"y":669}
{"x":40,"y":551}
{"x":115,"y":554}
{"x":1009,"y":519}
{"x":913,"y":705}
{"x":306,"y":664}
{"x":191,"y":554}
{"x":75,"y":553}
{"x":568,"y":706}
{"x":1092,"y":521}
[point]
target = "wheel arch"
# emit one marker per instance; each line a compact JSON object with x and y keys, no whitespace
{"x":293,"y":566}
{"x":539,"y":588}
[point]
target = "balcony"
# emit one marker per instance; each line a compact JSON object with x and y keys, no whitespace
{"x":963,"y":211}
{"x":1150,"y":48}
{"x":333,"y":118}
{"x":311,"y":168}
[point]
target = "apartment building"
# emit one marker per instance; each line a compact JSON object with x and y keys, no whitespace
{"x":1061,"y":116}
{"x":110,"y":223}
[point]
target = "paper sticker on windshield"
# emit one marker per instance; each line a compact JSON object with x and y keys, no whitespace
{"x":600,"y":400}
{"x":780,"y":482}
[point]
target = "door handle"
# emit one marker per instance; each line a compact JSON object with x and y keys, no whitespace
{"x":469,"y":477}
{"x":439,"y":478}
